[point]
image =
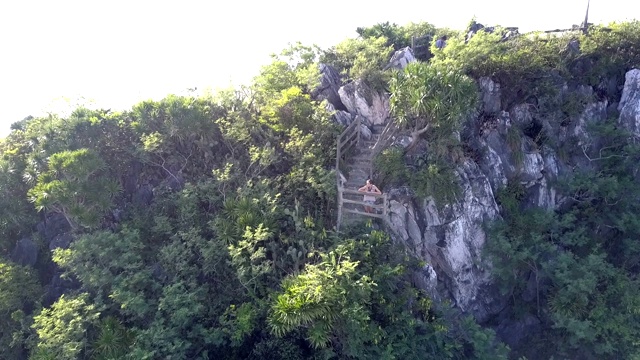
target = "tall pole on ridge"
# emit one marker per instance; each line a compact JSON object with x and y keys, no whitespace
{"x":585,"y":25}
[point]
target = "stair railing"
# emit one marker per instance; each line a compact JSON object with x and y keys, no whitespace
{"x":349,"y":138}
{"x":383,"y":141}
{"x":380,"y":211}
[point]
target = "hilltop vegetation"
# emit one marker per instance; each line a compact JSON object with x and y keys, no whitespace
{"x":202,"y":228}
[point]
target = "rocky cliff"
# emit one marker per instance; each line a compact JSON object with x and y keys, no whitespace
{"x":508,"y":147}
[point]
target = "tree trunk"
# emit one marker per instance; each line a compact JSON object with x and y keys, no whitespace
{"x":415,"y":138}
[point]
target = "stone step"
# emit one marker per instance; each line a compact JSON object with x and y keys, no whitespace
{"x":354,"y":170}
{"x":358,"y":178}
{"x":362,"y":150}
{"x":358,"y":171}
{"x":360,"y":164}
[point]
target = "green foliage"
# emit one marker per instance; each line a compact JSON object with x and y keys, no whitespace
{"x":317,"y":298}
{"x":19,"y":290}
{"x":437,"y":180}
{"x":62,"y":329}
{"x":113,"y":341}
{"x":427,"y":176}
{"x":583,"y":266}
{"x":75,"y":186}
{"x":613,"y":50}
{"x":232,"y":257}
{"x":397,"y":36}
{"x":514,"y":141}
{"x":111,"y":265}
{"x":391,"y":166}
{"x":432,"y":98}
{"x":296,"y":66}
{"x":277,"y":348}
{"x":353,"y":303}
{"x":15,"y":211}
{"x":432,"y":102}
{"x":361,"y":59}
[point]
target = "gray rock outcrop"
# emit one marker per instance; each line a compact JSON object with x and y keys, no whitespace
{"x":341,"y":117}
{"x":25,"y":253}
{"x":451,"y":238}
{"x":629,"y":106}
{"x":401,"y":58}
{"x":490,"y":90}
{"x":330,"y":82}
{"x":360,"y":99}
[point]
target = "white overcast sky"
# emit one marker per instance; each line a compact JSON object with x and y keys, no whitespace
{"x":116,"y":53}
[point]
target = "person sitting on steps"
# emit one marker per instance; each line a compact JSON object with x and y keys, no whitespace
{"x":368,"y":199}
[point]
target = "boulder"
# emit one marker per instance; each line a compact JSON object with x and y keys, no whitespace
{"x":629,"y":106}
{"x":365,"y":132}
{"x":62,"y":241}
{"x":521,"y":115}
{"x":361,"y":99}
{"x":403,"y":141}
{"x":58,"y":286}
{"x":328,"y":89}
{"x":25,"y":253}
{"x":401,"y":58}
{"x":341,"y":117}
{"x":54,"y":225}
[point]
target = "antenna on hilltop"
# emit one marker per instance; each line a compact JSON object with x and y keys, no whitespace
{"x":585,"y":25}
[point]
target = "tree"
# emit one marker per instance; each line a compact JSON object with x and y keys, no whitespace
{"x":427,"y":97}
{"x":75,"y":186}
{"x":397,"y":36}
{"x":19,"y":291}
{"x":62,"y":329}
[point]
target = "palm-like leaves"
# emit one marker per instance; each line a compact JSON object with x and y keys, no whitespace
{"x":75,"y":186}
{"x":425,"y":96}
{"x":113,"y":342}
{"x":323,"y":295}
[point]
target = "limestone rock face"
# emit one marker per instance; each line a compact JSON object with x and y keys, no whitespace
{"x":341,"y":117}
{"x":490,"y":95}
{"x":629,"y":106}
{"x":330,"y":82}
{"x":450,"y":238}
{"x":360,"y":99}
{"x":401,"y":58}
{"x":26,"y":252}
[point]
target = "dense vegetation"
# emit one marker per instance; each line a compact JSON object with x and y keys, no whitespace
{"x":203,"y":227}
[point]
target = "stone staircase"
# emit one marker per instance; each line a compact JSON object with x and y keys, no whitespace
{"x":359,"y":167}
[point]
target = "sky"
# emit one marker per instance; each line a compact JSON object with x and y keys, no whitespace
{"x":55,"y":55}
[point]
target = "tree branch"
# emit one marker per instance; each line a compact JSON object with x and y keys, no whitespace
{"x":584,"y":151}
